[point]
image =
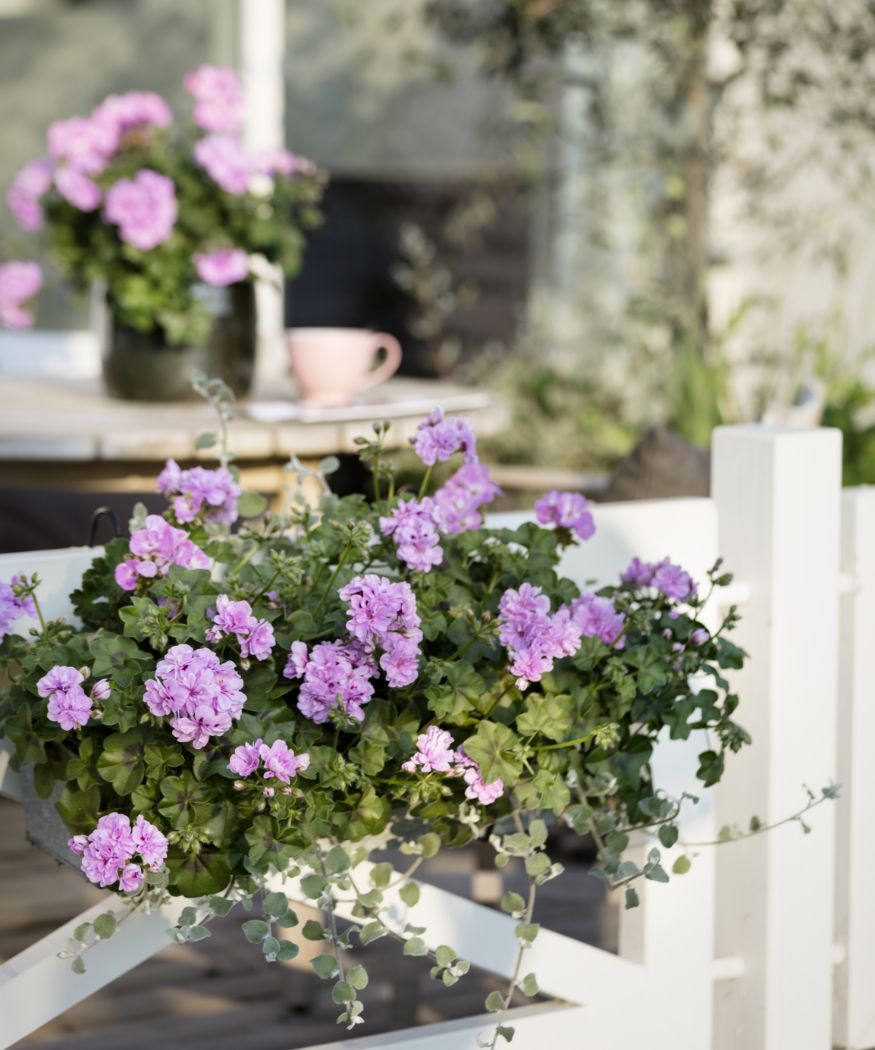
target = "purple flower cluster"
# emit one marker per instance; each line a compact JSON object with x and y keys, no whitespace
{"x":460,"y":499}
{"x":197,"y":488}
{"x":382,"y":614}
{"x":435,"y":753}
{"x":225,"y":160}
{"x":597,"y":618}
{"x":535,"y":637}
{"x":108,"y":852}
{"x":144,"y":208}
{"x":415,"y":524}
{"x":78,"y":189}
{"x":25,"y":193}
{"x":155,"y":548}
{"x":82,"y":148}
{"x":133,"y":111}
{"x":12,"y":607}
{"x":82,"y":143}
{"x":665,"y":576}
{"x":567,"y":510}
{"x":278,"y":761}
{"x":19,"y":282}
{"x":255,"y":636}
{"x":222,"y":267}
{"x":438,"y":437}
{"x":69,"y":705}
{"x":336,"y":677}
{"x":279,"y":161}
{"x":203,"y":695}
{"x":218,"y":98}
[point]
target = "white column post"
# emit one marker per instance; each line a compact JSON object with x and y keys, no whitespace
{"x":854,"y":1026}
{"x":778,"y":497}
{"x":262,"y":49}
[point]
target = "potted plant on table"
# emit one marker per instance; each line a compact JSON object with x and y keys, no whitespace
{"x":240,"y":707}
{"x":171,"y":226}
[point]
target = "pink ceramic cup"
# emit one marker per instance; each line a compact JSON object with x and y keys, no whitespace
{"x":332,"y":365}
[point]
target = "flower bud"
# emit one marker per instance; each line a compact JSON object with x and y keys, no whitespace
{"x":100,"y":690}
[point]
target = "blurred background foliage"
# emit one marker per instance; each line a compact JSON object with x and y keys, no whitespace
{"x":627,"y":117}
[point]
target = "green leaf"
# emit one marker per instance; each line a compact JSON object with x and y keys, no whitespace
{"x":206,"y":440}
{"x":105,"y":925}
{"x":710,"y":767}
{"x":381,"y":875}
{"x":120,"y":762}
{"x":632,"y":899}
{"x":198,"y":874}
{"x":409,"y":893}
{"x":287,"y":950}
{"x":358,"y":978}
{"x":372,"y":931}
{"x":527,"y":931}
{"x":513,"y":903}
{"x":538,"y":832}
{"x":251,"y":504}
{"x":495,"y":1002}
{"x":429,"y":844}
{"x":198,"y":933}
{"x":549,"y":716}
{"x":681,"y":865}
{"x":529,"y":985}
{"x":270,"y":946}
{"x":506,"y":1032}
{"x":337,"y":860}
{"x":444,"y":955}
{"x":313,"y":885}
{"x":342,"y":992}
{"x":313,"y":930}
{"x":276,"y":905}
{"x":537,"y":864}
{"x":668,"y":835}
{"x":325,"y":966}
{"x":415,"y":946}
{"x":78,"y":965}
{"x":494,"y":747}
{"x":81,"y":932}
{"x":255,"y":930}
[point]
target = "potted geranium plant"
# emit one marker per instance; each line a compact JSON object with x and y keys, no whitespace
{"x":169,"y":224}
{"x":289,"y":696}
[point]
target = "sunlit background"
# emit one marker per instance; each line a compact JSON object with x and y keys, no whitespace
{"x":605,"y":228}
{"x":614,"y":216}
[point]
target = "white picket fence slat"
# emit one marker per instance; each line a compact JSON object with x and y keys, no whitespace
{"x":740,"y":951}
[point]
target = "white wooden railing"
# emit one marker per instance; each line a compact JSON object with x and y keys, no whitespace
{"x":766,"y":944}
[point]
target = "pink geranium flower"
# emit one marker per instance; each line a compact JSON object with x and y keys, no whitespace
{"x":222,"y":267}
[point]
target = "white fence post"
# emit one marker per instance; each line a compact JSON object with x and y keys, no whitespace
{"x":854,"y":1024}
{"x":778,"y":497}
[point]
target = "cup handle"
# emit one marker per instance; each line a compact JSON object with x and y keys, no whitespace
{"x":382,"y":340}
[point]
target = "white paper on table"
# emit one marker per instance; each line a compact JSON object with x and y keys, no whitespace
{"x":301,"y":412}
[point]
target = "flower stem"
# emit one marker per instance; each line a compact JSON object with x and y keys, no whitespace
{"x":341,"y":561}
{"x":39,"y":613}
{"x":426,"y":480}
{"x":511,"y":988}
{"x":567,"y":743}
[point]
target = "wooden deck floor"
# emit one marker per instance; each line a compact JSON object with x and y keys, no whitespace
{"x":220,"y":995}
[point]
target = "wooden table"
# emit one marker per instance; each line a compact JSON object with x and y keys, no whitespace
{"x":67,"y":434}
